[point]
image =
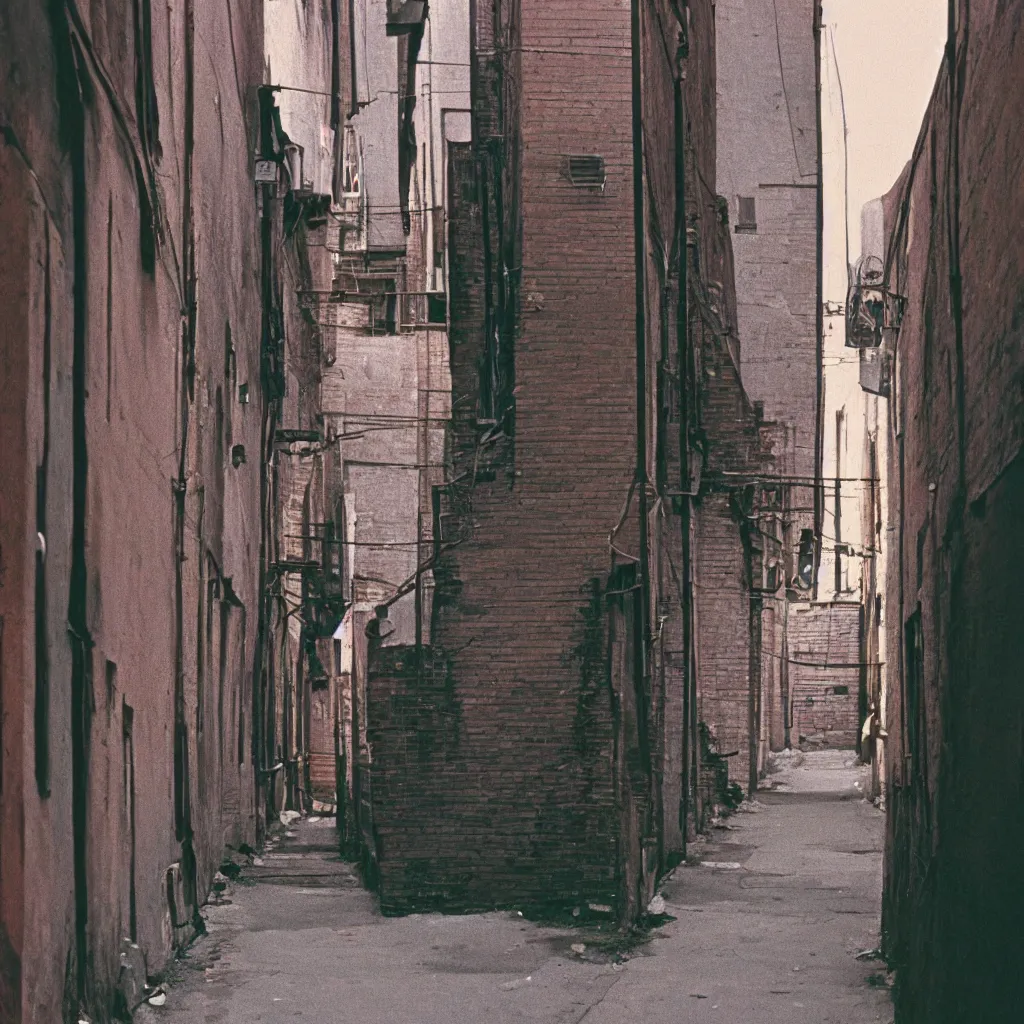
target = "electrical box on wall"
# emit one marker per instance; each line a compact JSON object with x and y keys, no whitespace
{"x":265,"y":172}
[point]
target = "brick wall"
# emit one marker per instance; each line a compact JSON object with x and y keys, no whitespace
{"x":105,"y":372}
{"x":728,"y":646}
{"x":825,"y":674}
{"x":510,"y":795}
{"x":953,"y":894}
{"x":767,"y":151}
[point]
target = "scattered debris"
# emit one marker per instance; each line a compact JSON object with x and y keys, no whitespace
{"x":509,"y":985}
{"x":869,"y":954}
{"x":724,"y":865}
{"x":697,"y":995}
{"x":657,"y":905}
{"x":578,"y":948}
{"x":158,"y":998}
{"x":287,"y":817}
{"x":599,"y":908}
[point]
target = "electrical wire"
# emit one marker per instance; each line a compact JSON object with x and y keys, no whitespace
{"x":846,"y":149}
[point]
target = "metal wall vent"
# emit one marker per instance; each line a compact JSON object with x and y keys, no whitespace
{"x":587,"y":171}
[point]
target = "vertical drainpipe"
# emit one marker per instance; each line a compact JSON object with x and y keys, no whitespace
{"x":685,"y":502}
{"x":819,"y":318}
{"x":353,"y":108}
{"x":640,"y":257}
{"x":183,"y":803}
{"x":838,"y":498}
{"x":72,"y":112}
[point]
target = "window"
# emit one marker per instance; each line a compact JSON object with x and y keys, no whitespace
{"x":746,"y":221}
{"x":350,"y":181}
{"x":805,"y":562}
{"x":916,"y":710}
{"x":587,"y":171}
{"x":437,"y":308}
{"x":841,"y":691}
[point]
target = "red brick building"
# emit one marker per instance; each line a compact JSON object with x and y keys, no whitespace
{"x":954,"y":897}
{"x":520,"y":759}
{"x":541,"y":747}
{"x":142,"y":279}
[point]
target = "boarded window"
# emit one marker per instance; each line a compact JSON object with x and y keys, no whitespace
{"x":747,"y":218}
{"x":587,"y":171}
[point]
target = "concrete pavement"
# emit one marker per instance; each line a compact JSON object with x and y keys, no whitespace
{"x":766,"y":929}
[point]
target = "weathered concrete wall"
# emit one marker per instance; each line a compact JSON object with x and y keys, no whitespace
{"x":953,"y":892}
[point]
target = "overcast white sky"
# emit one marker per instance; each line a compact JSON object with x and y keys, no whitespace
{"x":888,"y":54}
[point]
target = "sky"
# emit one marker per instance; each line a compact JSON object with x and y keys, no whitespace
{"x":888,"y":54}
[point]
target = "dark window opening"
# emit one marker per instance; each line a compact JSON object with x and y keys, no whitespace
{"x":587,"y":171}
{"x":841,"y":691}
{"x":219,"y":438}
{"x":746,"y":220}
{"x":111,"y":680}
{"x":805,"y":559}
{"x":916,"y":710}
{"x":147,"y":116}
{"x":437,"y":308}
{"x":922,"y":536}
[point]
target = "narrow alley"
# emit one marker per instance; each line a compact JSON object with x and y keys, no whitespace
{"x":765,"y":924}
{"x":510,"y":511}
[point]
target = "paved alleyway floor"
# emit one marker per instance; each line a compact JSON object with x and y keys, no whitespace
{"x":767,"y":928}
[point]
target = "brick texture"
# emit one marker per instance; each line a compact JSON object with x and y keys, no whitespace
{"x":514,"y":765}
{"x":825,"y":655}
{"x":953,"y":893}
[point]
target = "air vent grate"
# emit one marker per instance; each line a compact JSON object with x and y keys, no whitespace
{"x":587,"y":171}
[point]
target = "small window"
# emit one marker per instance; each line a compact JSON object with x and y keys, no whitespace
{"x":587,"y":171}
{"x":437,"y":308}
{"x":805,"y":559}
{"x":841,"y":691}
{"x":747,"y":219}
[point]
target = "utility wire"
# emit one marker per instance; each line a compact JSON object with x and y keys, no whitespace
{"x":846,"y":149}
